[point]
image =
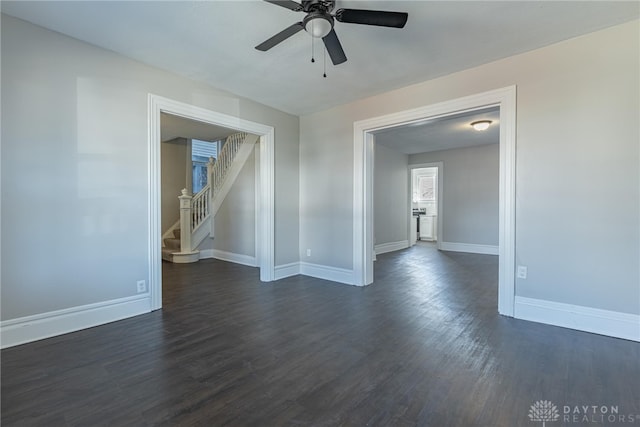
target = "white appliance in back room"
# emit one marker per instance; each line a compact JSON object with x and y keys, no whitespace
{"x":424,"y":183}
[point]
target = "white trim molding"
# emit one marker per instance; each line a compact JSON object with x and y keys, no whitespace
{"x":266,"y":207}
{"x":247,"y":260}
{"x":46,"y":325}
{"x":287,"y":270}
{"x":587,"y":319}
{"x":363,"y":156}
{"x":469,"y":248}
{"x":334,"y":274}
{"x":383,"y":248}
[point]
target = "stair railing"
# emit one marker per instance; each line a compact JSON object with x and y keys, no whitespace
{"x":224,"y":161}
{"x":200,"y":207}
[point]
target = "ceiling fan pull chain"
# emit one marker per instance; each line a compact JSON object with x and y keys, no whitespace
{"x":325,"y":63}
{"x":312,"y":48}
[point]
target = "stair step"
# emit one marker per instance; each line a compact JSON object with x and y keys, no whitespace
{"x":173,"y":244}
{"x":176,"y":233}
{"x":167,"y":254}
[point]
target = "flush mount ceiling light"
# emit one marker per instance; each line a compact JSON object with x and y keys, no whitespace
{"x":481,"y":125}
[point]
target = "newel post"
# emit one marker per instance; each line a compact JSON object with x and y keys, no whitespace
{"x":185,"y":221}
{"x":210,"y":164}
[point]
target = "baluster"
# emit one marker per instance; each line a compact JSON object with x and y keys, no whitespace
{"x":194,"y":213}
{"x":196,"y":217}
{"x":210,"y":164}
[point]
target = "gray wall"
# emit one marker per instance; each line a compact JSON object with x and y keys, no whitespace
{"x":391,"y":195}
{"x":74,"y":168}
{"x":173,"y":168}
{"x":577,"y":188}
{"x":470,"y":193}
{"x":235,"y":222}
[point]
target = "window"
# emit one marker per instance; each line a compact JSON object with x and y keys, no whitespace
{"x":200,"y":153}
{"x":426,"y":188}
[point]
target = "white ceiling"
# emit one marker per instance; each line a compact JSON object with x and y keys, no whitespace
{"x":443,"y":133}
{"x":213,"y":41}
{"x":172,"y":127}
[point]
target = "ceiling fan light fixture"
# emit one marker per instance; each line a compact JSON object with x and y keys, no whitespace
{"x":318,"y":25}
{"x":481,"y":125}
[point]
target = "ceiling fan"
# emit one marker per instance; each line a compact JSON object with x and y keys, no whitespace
{"x":319,"y":21}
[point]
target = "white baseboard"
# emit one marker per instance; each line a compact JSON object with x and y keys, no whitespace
{"x":229,"y":256}
{"x":469,"y":248}
{"x":603,"y":322}
{"x":340,"y":275}
{"x":383,"y":248}
{"x":286,"y":270}
{"x":40,"y":326}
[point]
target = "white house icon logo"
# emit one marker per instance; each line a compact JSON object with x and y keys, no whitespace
{"x":543,"y":410}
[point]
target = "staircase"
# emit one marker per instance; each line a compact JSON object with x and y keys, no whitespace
{"x":197,"y":212}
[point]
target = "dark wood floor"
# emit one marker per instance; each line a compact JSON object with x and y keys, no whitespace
{"x":422,"y":346}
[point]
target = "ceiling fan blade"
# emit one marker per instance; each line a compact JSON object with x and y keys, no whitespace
{"x":280,"y":37}
{"x":372,"y":17}
{"x":289,"y":4}
{"x":334,"y":48}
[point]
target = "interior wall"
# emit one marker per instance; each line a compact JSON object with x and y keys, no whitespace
{"x":173,"y":177}
{"x":578,"y":109}
{"x":391,"y":192}
{"x":470,"y":199}
{"x":75,"y":168}
{"x":235,"y":222}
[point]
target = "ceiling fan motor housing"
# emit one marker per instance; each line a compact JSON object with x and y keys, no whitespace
{"x":325,"y":6}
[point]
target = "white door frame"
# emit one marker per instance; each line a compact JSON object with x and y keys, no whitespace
{"x":363,"y":249}
{"x":265,"y":227}
{"x":440,"y":171}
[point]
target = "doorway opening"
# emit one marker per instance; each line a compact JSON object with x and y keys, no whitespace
{"x":364,"y":140}
{"x":423,"y":225}
{"x":265,"y":229}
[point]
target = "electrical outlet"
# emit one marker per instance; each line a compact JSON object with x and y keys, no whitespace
{"x":142,"y":286}
{"x":522,"y":272}
{"x":308,"y":252}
